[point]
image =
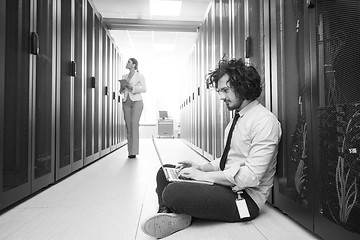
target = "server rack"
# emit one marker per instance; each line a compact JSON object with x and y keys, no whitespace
{"x":336,"y":116}
{"x":307,"y":53}
{"x":66,"y":78}
{"x":51,"y":101}
{"x":14,"y":102}
{"x":42,"y":94}
{"x":293,"y":185}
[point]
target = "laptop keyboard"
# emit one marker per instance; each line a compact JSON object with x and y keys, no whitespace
{"x":174,"y":173}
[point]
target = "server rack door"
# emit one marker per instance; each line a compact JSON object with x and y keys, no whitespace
{"x":90,"y":86}
{"x":254,"y":47}
{"x":97,"y":92}
{"x":293,"y":183}
{"x":205,"y":88}
{"x":14,"y":101}
{"x":2,"y":88}
{"x":65,"y":90}
{"x":105,"y":87}
{"x":118,"y":100}
{"x":225,"y":50}
{"x":336,"y":116}
{"x":218,"y":118}
{"x":109,"y":77}
{"x":192,"y":97}
{"x":122,"y":121}
{"x":120,"y":112}
{"x":188,"y":92}
{"x":111,"y":96}
{"x":239,"y":29}
{"x":195,"y":93}
{"x":79,"y":80}
{"x":43,"y":136}
{"x":210,"y":98}
{"x":199,"y":80}
{"x":114,"y":83}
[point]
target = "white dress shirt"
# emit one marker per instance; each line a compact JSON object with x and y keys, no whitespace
{"x":251,"y":162}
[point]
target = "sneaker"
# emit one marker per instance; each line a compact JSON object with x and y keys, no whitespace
{"x":164,"y":224}
{"x":164,"y":209}
{"x":132,"y":156}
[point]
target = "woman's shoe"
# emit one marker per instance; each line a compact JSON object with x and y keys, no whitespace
{"x":132,"y":156}
{"x":164,"y":224}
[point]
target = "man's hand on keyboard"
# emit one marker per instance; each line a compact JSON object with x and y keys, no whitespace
{"x":192,"y":173}
{"x":187,"y":164}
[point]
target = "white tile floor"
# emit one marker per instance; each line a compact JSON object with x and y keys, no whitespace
{"x":108,"y":200}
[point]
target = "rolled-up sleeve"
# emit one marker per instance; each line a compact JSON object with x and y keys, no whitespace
{"x":215,"y":163}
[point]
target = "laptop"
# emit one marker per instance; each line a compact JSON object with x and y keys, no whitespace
{"x":172,"y":174}
{"x":163,"y":114}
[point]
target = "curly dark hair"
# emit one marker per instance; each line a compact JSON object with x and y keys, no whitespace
{"x":244,"y":80}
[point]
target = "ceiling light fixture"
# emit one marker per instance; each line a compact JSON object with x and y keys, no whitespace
{"x":165,"y":8}
{"x":164,"y":47}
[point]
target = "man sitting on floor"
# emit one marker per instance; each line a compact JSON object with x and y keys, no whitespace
{"x":242,"y":177}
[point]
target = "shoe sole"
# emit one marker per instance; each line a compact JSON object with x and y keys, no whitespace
{"x":164,"y":224}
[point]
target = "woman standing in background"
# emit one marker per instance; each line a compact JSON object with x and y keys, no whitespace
{"x":132,"y":104}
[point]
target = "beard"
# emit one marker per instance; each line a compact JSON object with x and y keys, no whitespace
{"x":233,"y":105}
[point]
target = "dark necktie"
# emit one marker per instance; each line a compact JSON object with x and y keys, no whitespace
{"x":228,"y":141}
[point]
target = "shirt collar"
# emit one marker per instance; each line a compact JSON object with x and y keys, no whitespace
{"x":248,"y":107}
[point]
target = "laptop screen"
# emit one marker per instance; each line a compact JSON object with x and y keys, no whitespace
{"x":157,"y":152}
{"x":163,"y":114}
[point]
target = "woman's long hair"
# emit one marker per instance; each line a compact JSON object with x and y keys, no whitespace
{"x":134,"y":61}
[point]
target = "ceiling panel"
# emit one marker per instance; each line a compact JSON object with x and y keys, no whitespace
{"x":134,"y":42}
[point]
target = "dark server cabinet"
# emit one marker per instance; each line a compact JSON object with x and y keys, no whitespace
{"x":109,"y":96}
{"x":238,"y":30}
{"x":69,"y":142}
{"x":65,"y":88}
{"x":199,"y":81}
{"x":117,"y":100}
{"x":14,"y":101}
{"x":205,"y":99}
{"x":226,"y":34}
{"x":27,"y":98}
{"x":119,"y":112}
{"x":201,"y":91}
{"x":43,"y":94}
{"x":218,"y":54}
{"x":336,"y":115}
{"x":97,"y":93}
{"x":293,"y":184}
{"x":210,"y":153}
{"x":113,"y":100}
{"x":90,"y":84}
{"x":79,"y":79}
{"x":319,"y":107}
{"x":105,"y":96}
{"x":254,"y":39}
{"x":92,"y":102}
{"x":51,"y":101}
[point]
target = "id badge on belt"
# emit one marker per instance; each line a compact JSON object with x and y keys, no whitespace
{"x":242,"y":206}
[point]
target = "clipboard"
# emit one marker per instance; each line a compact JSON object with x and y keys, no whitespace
{"x":123,"y":82}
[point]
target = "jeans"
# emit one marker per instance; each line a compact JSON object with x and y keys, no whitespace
{"x":212,"y":202}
